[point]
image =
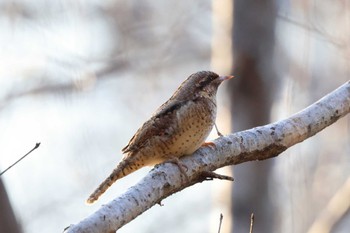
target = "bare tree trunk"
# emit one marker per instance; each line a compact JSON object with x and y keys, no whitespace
{"x":8,"y":223}
{"x":252,"y":95}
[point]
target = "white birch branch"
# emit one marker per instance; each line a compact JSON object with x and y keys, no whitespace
{"x":259,"y":143}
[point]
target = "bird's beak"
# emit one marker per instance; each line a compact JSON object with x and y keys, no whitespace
{"x":223,"y":78}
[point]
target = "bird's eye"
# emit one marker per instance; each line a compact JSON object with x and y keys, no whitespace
{"x":205,"y":82}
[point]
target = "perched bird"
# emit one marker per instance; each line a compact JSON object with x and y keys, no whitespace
{"x":179,"y":127}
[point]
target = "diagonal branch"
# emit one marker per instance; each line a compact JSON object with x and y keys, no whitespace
{"x":259,"y":143}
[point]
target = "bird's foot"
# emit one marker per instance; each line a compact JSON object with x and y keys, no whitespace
{"x":182,"y":167}
{"x":209,"y":144}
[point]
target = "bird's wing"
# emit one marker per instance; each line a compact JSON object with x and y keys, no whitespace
{"x":160,"y":124}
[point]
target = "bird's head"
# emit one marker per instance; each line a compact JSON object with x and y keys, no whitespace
{"x":202,"y":83}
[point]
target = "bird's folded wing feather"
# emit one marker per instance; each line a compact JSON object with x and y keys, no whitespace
{"x":160,"y":124}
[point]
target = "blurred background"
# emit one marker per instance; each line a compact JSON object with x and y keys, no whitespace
{"x":81,"y":77}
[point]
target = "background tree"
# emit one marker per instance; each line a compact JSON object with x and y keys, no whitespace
{"x":252,"y":96}
{"x":8,"y":222}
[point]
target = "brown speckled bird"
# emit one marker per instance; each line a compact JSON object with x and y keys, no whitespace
{"x":179,"y":127}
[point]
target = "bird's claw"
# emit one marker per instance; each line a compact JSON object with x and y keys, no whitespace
{"x":180,"y":165}
{"x":209,"y":144}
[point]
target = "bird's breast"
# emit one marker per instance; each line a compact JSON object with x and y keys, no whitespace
{"x":194,"y":123}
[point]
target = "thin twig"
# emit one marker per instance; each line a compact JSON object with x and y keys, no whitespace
{"x":221,"y":217}
{"x":312,"y":28}
{"x":251,"y":223}
{"x":217,"y":130}
{"x":35,"y":147}
{"x":209,"y":175}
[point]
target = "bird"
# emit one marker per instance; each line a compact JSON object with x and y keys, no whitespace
{"x":177,"y":128}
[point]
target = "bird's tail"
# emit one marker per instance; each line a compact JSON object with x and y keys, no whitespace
{"x":124,"y":168}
